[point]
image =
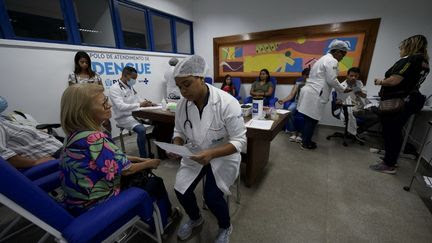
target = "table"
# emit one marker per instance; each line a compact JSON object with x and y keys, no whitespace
{"x":258,"y":141}
{"x":163,"y":122}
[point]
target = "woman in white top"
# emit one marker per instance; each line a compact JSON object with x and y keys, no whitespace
{"x":209,"y":121}
{"x":315,"y":94}
{"x":83,"y":72}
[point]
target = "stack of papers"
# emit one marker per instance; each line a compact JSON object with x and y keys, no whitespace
{"x":282,"y":111}
{"x":150,"y":108}
{"x":260,"y":124}
{"x":175,"y":149}
{"x":428,"y":181}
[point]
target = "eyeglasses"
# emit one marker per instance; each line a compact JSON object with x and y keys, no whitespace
{"x":106,"y":105}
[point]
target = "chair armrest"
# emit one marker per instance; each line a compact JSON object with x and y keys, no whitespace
{"x":100,"y":222}
{"x":287,"y":104}
{"x":273,"y":101}
{"x":48,"y":126}
{"x":248,"y":100}
{"x":48,"y":182}
{"x":42,"y":170}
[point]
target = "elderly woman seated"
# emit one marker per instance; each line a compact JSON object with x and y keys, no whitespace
{"x":93,"y":168}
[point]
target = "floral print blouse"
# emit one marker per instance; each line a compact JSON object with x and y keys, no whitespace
{"x":90,"y":170}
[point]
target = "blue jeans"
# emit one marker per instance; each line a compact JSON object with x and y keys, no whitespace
{"x":290,"y":123}
{"x":213,"y":196}
{"x":141,"y":140}
{"x":308,"y":129}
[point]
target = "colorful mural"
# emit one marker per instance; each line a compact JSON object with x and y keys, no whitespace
{"x":285,"y":58}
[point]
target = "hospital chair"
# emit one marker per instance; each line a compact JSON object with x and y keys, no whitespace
{"x":270,"y":101}
{"x":27,"y":119}
{"x":41,"y":170}
{"x":237,"y":85}
{"x":42,"y":176}
{"x":132,"y":209}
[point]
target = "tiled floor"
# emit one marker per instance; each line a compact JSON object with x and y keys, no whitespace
{"x":326,"y":195}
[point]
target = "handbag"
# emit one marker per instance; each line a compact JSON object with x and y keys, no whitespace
{"x":391,"y":106}
{"x":138,"y":179}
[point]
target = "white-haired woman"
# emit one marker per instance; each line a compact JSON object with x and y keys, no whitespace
{"x":315,"y":94}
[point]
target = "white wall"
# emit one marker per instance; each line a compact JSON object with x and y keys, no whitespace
{"x":399,"y":20}
{"x":33,"y":75}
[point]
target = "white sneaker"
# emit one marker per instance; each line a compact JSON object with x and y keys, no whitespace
{"x":186,"y":229}
{"x":292,"y":138}
{"x":223,"y":235}
{"x":298,"y":139}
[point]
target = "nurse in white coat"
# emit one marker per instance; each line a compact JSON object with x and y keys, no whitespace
{"x":124,"y":100}
{"x":209,"y":120}
{"x":316,"y":92}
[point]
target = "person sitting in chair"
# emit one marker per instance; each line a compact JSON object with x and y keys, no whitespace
{"x":93,"y":169}
{"x":263,"y":87}
{"x":124,"y":100}
{"x":24,"y":146}
{"x":357,"y":98}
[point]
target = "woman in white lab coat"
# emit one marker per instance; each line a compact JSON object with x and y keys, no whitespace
{"x":208,"y":120}
{"x":315,"y":94}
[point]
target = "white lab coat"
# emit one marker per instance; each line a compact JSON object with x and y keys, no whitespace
{"x":124,"y":100}
{"x":316,"y":92}
{"x":352,"y":99}
{"x":222,"y":122}
{"x":171,"y":87}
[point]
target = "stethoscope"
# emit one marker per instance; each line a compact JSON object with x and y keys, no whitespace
{"x":123,"y":87}
{"x":190,"y":142}
{"x":187,"y":121}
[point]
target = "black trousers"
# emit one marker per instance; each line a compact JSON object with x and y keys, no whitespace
{"x":213,"y":196}
{"x":308,"y":129}
{"x":392,"y":125}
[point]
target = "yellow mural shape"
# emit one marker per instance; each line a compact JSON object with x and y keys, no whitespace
{"x":345,"y":64}
{"x":272,"y":62}
{"x":228,"y":53}
{"x":266,"y":48}
{"x":301,"y":40}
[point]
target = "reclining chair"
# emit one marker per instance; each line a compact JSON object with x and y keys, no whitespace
{"x":105,"y":222}
{"x":27,"y":119}
{"x":237,"y":85}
